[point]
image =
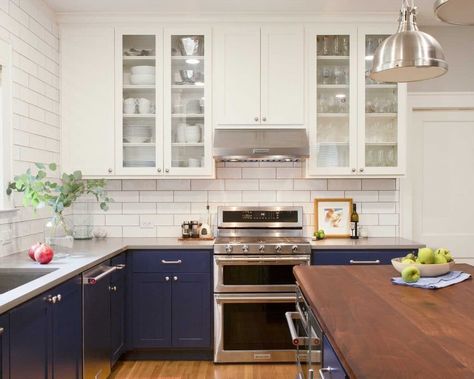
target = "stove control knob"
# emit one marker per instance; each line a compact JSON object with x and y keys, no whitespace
{"x":228,"y":249}
{"x":261,"y":248}
{"x":294,"y":248}
{"x":278,"y":248}
{"x":245,"y":249}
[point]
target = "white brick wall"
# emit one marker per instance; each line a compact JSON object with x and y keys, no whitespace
{"x":164,"y":204}
{"x":29,"y":26}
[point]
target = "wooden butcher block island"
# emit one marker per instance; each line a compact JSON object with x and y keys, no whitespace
{"x":381,"y":330}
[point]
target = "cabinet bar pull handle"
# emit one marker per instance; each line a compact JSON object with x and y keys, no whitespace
{"x":353,"y":262}
{"x":95,"y":279}
{"x":165,"y":262}
{"x":328,"y":369}
{"x":59,"y":297}
{"x":52,"y":299}
{"x":175,"y":278}
{"x":2,"y":330}
{"x":167,"y":278}
{"x":120,"y":266}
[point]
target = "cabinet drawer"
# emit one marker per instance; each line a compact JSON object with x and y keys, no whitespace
{"x":356,"y":257}
{"x":331,"y":367}
{"x":172,"y":261}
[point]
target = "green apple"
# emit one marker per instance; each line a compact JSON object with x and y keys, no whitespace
{"x":408,"y":261}
{"x":410,"y":274}
{"x":320,"y":235}
{"x":440,"y":258}
{"x":426,"y":255}
{"x":445,"y":252}
{"x":411,"y":256}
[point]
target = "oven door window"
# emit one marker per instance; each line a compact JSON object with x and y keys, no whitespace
{"x":258,"y":275}
{"x":257,"y":326}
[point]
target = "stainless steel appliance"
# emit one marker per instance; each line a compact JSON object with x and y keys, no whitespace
{"x":307,"y":335}
{"x":254,"y":286}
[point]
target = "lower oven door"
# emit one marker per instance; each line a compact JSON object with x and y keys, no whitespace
{"x":262,"y":273}
{"x":253,"y":328}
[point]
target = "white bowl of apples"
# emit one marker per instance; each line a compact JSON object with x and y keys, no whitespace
{"x":427,"y":261}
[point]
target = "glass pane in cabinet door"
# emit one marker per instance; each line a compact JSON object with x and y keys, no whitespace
{"x":381,"y":118}
{"x":187,"y":100}
{"x":333,"y":80}
{"x":139,"y":101}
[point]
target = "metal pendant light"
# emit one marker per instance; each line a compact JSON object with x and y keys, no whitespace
{"x":409,"y":55}
{"x":457,"y":12}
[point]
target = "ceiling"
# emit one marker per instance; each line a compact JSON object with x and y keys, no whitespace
{"x":242,"y":6}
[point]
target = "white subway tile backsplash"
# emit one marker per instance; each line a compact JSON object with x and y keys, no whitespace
{"x":139,"y":208}
{"x":259,"y":196}
{"x":381,"y":231}
{"x":388,"y":195}
{"x":311,"y":184}
{"x":294,"y":196}
{"x":207,"y":184}
{"x":289,"y":173}
{"x":139,"y":185}
{"x":389,"y":219}
{"x":327,"y":195}
{"x":378,"y":208}
{"x":168,"y":231}
{"x":190,"y":196}
{"x":136,"y":231}
{"x":147,"y":221}
{"x":344,"y":184}
{"x":360,"y":196}
{"x":378,"y":184}
{"x":241,"y":184}
{"x":173,"y":208}
{"x":225,"y":196}
{"x":173,"y":184}
{"x":229,"y":172}
{"x":259,"y":172}
{"x":368,"y":219}
{"x":156,"y":196}
{"x":276,"y":184}
{"x":122,"y":220}
{"x":124,"y":196}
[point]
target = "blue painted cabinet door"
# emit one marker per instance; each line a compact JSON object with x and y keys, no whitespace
{"x":151,"y":316}
{"x":30,"y":340}
{"x":356,"y":257}
{"x":5,"y":346}
{"x":67,"y":330}
{"x":117,"y":308}
{"x":330,"y":360}
{"x":191,"y":310}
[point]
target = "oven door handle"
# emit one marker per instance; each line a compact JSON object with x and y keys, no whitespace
{"x":256,"y":260}
{"x":300,"y":340}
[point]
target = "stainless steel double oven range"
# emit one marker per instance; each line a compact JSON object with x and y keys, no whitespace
{"x":254,"y":287}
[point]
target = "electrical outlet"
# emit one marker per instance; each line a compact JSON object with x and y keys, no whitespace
{"x":147,"y":224}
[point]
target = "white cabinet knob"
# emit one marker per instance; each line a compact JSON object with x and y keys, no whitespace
{"x":159,"y":170}
{"x":167,"y":170}
{"x":256,"y":119}
{"x":354,"y":170}
{"x":109,"y":170}
{"x":361,"y":170}
{"x":264,"y":119}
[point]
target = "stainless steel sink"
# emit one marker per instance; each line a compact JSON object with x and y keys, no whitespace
{"x":11,"y":278}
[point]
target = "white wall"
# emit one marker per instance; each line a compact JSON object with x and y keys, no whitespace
{"x":165,"y":204}
{"x":458,"y":46}
{"x":30,"y":27}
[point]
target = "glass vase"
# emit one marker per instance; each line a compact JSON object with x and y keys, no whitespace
{"x":58,"y":232}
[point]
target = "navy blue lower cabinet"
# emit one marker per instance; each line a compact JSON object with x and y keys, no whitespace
{"x":331,"y":367}
{"x":191,"y":310}
{"x":151,"y":313}
{"x":5,"y":346}
{"x":356,"y":257}
{"x":67,"y":330}
{"x":117,"y":307}
{"x":30,"y":340}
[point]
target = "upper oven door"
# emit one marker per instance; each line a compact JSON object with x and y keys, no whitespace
{"x":256,"y":273}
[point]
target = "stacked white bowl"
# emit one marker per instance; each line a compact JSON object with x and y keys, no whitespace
{"x":137,"y":134}
{"x":142,"y":75}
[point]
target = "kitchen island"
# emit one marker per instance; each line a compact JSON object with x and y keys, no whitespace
{"x":381,"y":330}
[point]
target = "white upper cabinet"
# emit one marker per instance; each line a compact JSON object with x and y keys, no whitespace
{"x":282,"y":75}
{"x":356,"y":126}
{"x":237,"y":75}
{"x":87,"y":99}
{"x":259,"y":75}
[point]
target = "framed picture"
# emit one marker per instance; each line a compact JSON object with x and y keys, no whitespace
{"x":333,"y":216}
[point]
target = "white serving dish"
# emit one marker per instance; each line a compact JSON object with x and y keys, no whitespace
{"x":142,"y":70}
{"x":425,"y":269}
{"x":142,"y":79}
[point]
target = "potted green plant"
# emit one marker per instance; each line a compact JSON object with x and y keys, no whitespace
{"x":59,"y":194}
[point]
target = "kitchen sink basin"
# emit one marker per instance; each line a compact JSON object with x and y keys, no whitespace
{"x":11,"y":278}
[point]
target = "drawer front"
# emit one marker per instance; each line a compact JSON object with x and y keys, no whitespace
{"x":330,"y":365}
{"x":172,"y":261}
{"x":356,"y":257}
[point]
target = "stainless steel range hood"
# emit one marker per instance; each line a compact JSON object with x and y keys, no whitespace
{"x":247,"y":145}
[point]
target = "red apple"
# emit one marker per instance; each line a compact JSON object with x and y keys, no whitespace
{"x":31,"y":250}
{"x":44,"y":254}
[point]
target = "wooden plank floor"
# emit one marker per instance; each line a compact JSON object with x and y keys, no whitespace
{"x":200,"y":370}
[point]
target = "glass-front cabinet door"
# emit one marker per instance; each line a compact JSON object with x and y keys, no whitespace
{"x":139,"y":115}
{"x":187,"y":126}
{"x":381,"y":113}
{"x":333,"y":121}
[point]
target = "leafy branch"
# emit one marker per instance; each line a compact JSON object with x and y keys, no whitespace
{"x":39,"y":191}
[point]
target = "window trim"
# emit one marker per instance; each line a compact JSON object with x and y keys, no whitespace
{"x":6,"y":205}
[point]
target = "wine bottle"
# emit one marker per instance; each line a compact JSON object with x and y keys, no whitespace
{"x":354,"y":222}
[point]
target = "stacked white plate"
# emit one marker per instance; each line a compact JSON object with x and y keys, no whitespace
{"x":142,"y":75}
{"x":137,"y":134}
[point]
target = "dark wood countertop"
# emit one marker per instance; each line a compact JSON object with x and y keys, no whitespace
{"x":381,"y":330}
